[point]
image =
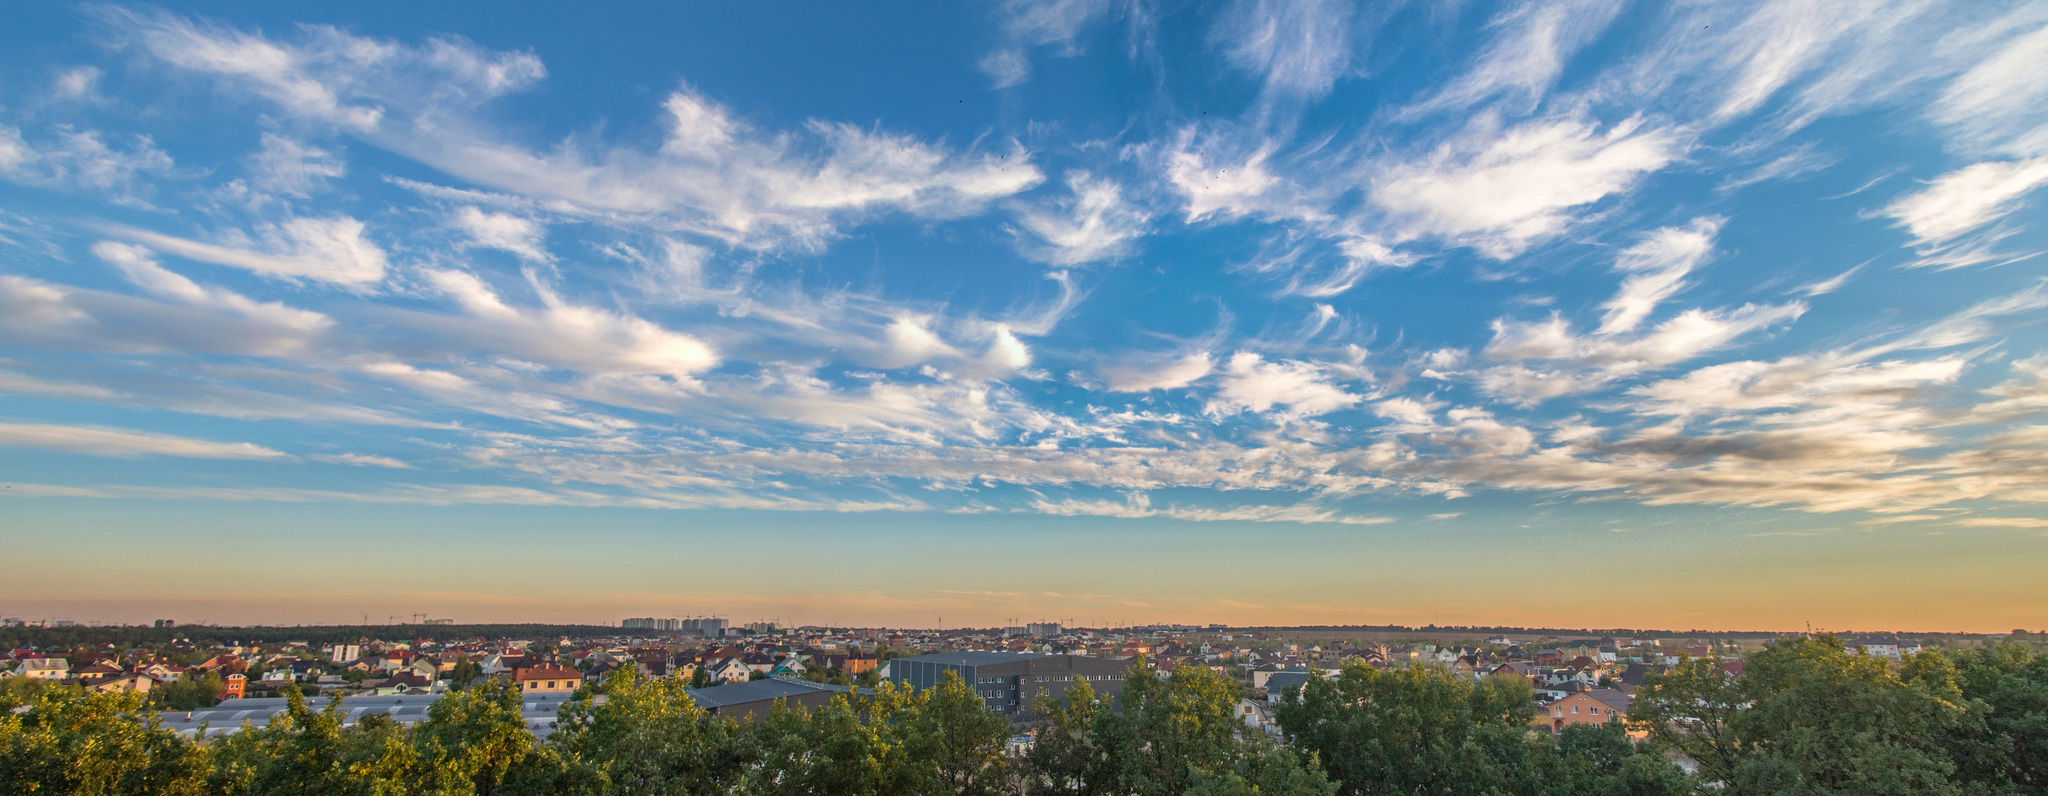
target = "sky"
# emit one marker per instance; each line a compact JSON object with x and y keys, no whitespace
{"x":1569,"y":314}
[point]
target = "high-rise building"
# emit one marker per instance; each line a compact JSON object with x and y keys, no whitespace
{"x":711,"y":628}
{"x":1042,"y":629}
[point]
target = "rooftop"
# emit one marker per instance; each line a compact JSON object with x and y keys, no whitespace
{"x":756,"y":691}
{"x":973,"y":658}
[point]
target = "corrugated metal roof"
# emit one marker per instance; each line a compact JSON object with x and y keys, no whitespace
{"x":756,"y":691}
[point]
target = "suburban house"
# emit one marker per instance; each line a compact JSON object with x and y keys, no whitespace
{"x":45,"y":668}
{"x":731,"y":670}
{"x":546,"y":679}
{"x":1258,"y":715}
{"x":133,"y":683}
{"x":1597,"y":706}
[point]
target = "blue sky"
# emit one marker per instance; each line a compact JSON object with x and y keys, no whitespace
{"x":1113,"y":311}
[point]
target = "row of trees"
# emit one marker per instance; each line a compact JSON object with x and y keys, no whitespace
{"x":126,"y":636}
{"x":1174,"y":735}
{"x":1807,"y":718}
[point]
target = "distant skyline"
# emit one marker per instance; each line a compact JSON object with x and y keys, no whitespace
{"x":1574,"y":314}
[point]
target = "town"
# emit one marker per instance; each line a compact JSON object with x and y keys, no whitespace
{"x":1576,"y":678}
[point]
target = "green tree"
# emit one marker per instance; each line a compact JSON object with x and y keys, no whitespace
{"x":465,"y":672}
{"x":189,"y":692}
{"x":2005,"y":750}
{"x":477,"y":735}
{"x":964,"y":741}
{"x":1810,"y":717}
{"x":647,"y":737}
{"x":1165,"y":736}
{"x":1415,"y":729}
{"x":70,"y":741}
{"x":1062,"y":758}
{"x":1587,"y":759}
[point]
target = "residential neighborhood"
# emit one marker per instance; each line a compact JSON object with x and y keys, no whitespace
{"x":1582,"y":679}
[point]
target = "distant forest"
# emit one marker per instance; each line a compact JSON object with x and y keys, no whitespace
{"x":138,"y":636}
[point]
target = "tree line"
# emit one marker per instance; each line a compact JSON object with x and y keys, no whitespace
{"x":1807,"y":717}
{"x":124,"y":636}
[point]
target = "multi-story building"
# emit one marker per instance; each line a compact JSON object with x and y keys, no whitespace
{"x":1042,"y":629}
{"x":708,"y":627}
{"x":1011,"y":681}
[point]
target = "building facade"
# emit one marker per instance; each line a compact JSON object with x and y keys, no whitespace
{"x":1596,"y":706}
{"x":546,"y":679}
{"x":1010,"y":682}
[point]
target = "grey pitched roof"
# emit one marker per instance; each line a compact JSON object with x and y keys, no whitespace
{"x":1281,"y":681}
{"x":1614,"y":699}
{"x":756,"y":691}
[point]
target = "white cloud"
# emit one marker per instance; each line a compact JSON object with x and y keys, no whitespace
{"x":1297,"y":47}
{"x":1145,"y":376}
{"x":2000,"y":522}
{"x":1577,"y":364}
{"x":79,"y":83}
{"x":1412,"y":411}
{"x":1656,"y":270}
{"x":293,"y":168}
{"x":194,"y":318}
{"x":520,"y":236}
{"x":1530,"y":46}
{"x":1963,"y":201}
{"x":1502,"y":191}
{"x":362,"y":460}
{"x":1094,"y":223}
{"x":1036,"y":23}
{"x":714,"y":174}
{"x":1828,"y":285}
{"x":564,"y":334}
{"x":82,"y":161}
{"x":2001,"y":103}
{"x":1229,"y":190}
{"x":119,"y":443}
{"x":1250,"y":383}
{"x":141,"y":269}
{"x":1140,"y":506}
{"x":330,"y":249}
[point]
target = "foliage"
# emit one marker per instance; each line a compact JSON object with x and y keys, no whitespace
{"x":1420,"y":729}
{"x":153,"y":637}
{"x":1810,"y":717}
{"x":72,"y":741}
{"x":465,"y":672}
{"x":1164,"y":735}
{"x":647,"y":737}
{"x":189,"y":693}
